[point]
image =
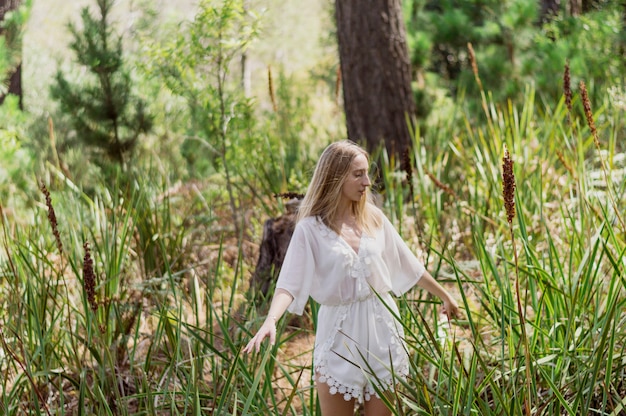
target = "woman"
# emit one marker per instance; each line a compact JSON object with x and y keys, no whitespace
{"x":347,"y":256}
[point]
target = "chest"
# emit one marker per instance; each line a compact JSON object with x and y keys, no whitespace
{"x":352,"y":237}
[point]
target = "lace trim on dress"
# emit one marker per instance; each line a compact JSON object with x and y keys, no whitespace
{"x":348,"y":392}
{"x":324,"y":229}
{"x":353,"y":392}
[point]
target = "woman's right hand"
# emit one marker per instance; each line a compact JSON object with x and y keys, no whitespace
{"x":282,"y":299}
{"x":268,"y":329}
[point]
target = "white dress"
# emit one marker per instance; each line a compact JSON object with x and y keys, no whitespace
{"x":358,"y":341}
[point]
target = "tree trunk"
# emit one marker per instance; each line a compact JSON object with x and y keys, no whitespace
{"x":7,"y":6}
{"x":376,"y":73}
{"x":575,"y":7}
{"x":548,"y":10}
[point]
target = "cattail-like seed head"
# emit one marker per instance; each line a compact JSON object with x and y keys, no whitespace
{"x":508,"y":186}
{"x":270,"y":84}
{"x":567,"y":89}
{"x":89,"y":279}
{"x":52,"y":218}
{"x":589,"y":113}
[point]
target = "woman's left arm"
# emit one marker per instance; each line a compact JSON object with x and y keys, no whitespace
{"x":428,"y":283}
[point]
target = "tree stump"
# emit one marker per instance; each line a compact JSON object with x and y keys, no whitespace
{"x":277,"y":234}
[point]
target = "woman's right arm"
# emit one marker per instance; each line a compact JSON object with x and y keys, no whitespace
{"x":280,"y":302}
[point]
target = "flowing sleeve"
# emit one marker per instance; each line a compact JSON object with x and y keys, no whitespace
{"x":404,"y":267}
{"x":298,"y":269}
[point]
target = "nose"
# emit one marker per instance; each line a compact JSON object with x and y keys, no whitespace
{"x":366,"y":180}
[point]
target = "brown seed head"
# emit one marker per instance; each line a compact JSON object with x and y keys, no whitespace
{"x":589,"y":113}
{"x":508,"y":186}
{"x":52,"y":218}
{"x":270,"y":84}
{"x":567,"y":88}
{"x":89,"y":279}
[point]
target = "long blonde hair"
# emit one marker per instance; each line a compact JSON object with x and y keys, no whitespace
{"x":324,"y":192}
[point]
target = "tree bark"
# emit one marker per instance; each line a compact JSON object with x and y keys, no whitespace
{"x":575,"y":7}
{"x":7,"y":6}
{"x":548,"y":10}
{"x":376,"y":73}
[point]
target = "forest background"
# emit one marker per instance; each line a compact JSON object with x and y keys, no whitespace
{"x":151,"y":141}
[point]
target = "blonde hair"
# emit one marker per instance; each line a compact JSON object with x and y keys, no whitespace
{"x":324,"y":192}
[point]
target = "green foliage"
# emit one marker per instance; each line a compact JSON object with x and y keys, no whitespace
{"x":171,"y":315}
{"x":4,"y":56}
{"x":571,"y":283}
{"x":257,"y":159}
{"x":106,"y":116}
{"x":13,"y":29}
{"x":197,"y":65}
{"x":290,"y":136}
{"x":511,"y":48}
{"x":16,"y":161}
{"x":593,"y":45}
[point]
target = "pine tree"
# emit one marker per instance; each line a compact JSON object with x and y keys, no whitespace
{"x":105,"y":114}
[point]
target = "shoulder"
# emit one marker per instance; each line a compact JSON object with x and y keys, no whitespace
{"x":307,"y":221}
{"x":308,"y":224}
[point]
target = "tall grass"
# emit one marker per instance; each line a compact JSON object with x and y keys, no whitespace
{"x":158,"y":327}
{"x":563,"y":351}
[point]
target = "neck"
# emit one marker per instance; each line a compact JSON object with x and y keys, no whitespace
{"x":344,"y":213}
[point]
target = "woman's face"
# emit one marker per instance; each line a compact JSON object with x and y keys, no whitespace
{"x":357,"y":181}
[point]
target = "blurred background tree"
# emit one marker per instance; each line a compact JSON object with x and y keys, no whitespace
{"x":197,"y":65}
{"x":516,"y":42}
{"x":105,"y":113}
{"x":15,"y":157}
{"x":13,"y":16}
